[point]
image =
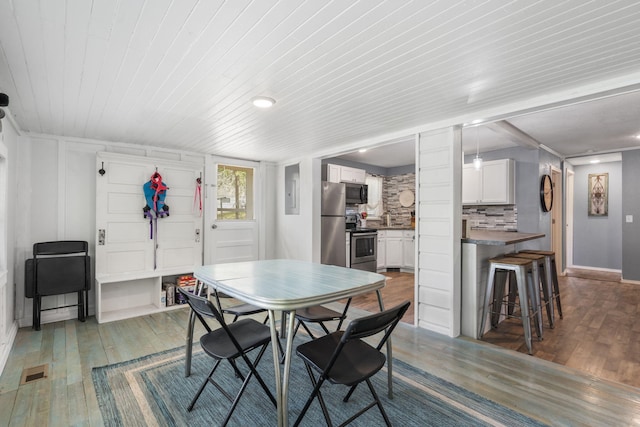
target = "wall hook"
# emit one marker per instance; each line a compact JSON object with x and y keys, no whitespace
{"x":102,"y":171}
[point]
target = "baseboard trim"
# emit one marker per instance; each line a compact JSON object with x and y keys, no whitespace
{"x":581,"y":267}
{"x":8,"y":345}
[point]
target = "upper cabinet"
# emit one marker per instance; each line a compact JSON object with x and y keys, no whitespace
{"x":493,"y":184}
{"x":336,"y":173}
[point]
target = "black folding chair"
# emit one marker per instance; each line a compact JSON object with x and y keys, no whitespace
{"x":238,"y":310}
{"x":320,"y":314}
{"x":230,"y":342}
{"x":342,"y":357}
{"x":59,"y":267}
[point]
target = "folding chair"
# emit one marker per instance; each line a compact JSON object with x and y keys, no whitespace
{"x":320,"y":314}
{"x":230,"y":342}
{"x":59,"y":267}
{"x":238,"y":310}
{"x":342,"y":357}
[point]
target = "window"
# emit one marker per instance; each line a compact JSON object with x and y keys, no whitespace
{"x":235,"y":193}
{"x":374,"y":207}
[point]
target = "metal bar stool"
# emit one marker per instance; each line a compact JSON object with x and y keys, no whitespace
{"x":551,"y":273}
{"x":545,"y":284}
{"x":529,"y":308}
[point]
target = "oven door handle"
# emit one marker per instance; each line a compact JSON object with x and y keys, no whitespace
{"x":368,"y":234}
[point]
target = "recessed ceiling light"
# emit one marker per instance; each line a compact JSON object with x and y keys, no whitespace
{"x":638,"y":136}
{"x":362,"y":150}
{"x":594,"y":161}
{"x":263,"y":101}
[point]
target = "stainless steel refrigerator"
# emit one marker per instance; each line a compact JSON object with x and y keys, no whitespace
{"x":333,"y":227}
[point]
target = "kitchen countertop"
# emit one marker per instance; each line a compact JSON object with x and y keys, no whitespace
{"x":499,"y":238}
{"x":394,"y":227}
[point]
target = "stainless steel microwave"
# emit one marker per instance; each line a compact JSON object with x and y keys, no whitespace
{"x":356,"y":194}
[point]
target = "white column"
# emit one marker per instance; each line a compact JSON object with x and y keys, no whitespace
{"x":439,"y":231}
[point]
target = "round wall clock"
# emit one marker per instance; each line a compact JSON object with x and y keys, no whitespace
{"x":546,"y":193}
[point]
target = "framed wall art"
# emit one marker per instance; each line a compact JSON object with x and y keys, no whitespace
{"x":598,"y":194}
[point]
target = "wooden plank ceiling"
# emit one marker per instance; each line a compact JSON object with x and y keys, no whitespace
{"x":181,"y":73}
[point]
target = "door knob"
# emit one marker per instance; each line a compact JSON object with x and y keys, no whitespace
{"x":214,"y":226}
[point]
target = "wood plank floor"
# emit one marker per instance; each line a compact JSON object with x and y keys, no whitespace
{"x":599,"y":333}
{"x":552,"y":393}
{"x":399,"y":288}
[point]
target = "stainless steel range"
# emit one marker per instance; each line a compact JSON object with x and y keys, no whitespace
{"x":364,"y":245}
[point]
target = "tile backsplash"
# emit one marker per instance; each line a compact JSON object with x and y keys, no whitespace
{"x":498,"y":218}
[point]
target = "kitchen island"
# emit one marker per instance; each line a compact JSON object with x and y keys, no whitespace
{"x":477,"y":249}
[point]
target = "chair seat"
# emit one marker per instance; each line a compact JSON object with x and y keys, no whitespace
{"x":318,"y":313}
{"x":357,"y":361}
{"x":249,"y":333}
{"x":243,"y":310}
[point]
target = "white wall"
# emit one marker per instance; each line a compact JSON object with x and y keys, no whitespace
{"x":9,"y":143}
{"x":298,"y":236}
{"x":55,"y":200}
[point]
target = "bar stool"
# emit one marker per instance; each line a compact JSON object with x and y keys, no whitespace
{"x":529,"y":303}
{"x":545,"y":285}
{"x":551,"y":273}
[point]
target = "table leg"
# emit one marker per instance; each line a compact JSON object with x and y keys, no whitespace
{"x":389,"y":354}
{"x":282,"y":382}
{"x":189,"y":344}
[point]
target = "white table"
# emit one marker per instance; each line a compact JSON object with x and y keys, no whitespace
{"x":288,"y":285}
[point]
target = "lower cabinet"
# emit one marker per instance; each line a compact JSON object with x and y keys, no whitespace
{"x":124,"y":296}
{"x":408,"y":248}
{"x":396,"y":249}
{"x":382,"y":249}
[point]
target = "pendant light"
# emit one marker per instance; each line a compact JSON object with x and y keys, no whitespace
{"x":477,"y":162}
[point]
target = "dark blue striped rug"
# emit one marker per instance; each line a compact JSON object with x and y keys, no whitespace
{"x":152,"y":390}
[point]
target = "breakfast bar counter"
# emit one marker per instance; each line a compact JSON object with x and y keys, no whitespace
{"x":477,"y":249}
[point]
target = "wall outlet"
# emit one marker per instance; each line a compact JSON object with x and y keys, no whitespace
{"x":629,"y":218}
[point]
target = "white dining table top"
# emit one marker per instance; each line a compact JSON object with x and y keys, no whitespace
{"x":287,"y":285}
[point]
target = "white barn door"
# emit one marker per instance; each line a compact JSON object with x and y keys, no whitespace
{"x":124,"y":241}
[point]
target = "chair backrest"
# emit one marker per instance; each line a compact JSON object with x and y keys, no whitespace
{"x":61,"y":247}
{"x":58,"y":267}
{"x":202,"y":307}
{"x":375,"y":323}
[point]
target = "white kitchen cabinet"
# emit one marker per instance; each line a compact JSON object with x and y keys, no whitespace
{"x":356,"y":176}
{"x":348,"y":245}
{"x":382,"y":253}
{"x":493,"y":184}
{"x":408,"y":248}
{"x":394,"y":250}
{"x":336,"y":173}
{"x":333,"y":173}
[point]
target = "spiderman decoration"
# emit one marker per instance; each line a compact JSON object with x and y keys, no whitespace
{"x":155,"y":192}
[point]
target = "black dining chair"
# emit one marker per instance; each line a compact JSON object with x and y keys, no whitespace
{"x":230,"y":342}
{"x":238,"y":310}
{"x":344,"y":358}
{"x":320,"y":314}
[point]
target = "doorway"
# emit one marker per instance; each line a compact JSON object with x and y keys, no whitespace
{"x":556,"y":217}
{"x":568,"y":262}
{"x":232,"y":211}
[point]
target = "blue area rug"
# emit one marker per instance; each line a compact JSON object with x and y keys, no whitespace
{"x":152,"y":390}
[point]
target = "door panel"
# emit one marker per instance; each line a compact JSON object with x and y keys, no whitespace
{"x":229,"y":240}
